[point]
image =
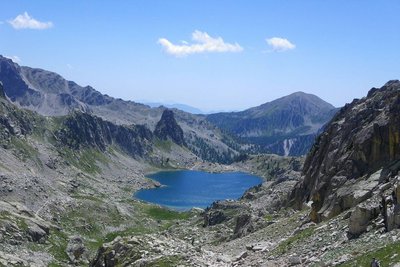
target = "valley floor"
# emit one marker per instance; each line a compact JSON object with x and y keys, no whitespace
{"x":80,"y":215}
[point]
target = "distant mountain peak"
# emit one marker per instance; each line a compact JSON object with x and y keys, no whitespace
{"x":168,"y":128}
{"x":285,"y":126}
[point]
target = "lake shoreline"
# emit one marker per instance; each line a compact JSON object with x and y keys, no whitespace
{"x":186,"y":189}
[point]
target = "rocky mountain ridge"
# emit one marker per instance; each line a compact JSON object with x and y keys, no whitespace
{"x":50,"y":94}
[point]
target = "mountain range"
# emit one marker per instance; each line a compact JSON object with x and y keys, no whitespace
{"x":49,"y":94}
{"x":286,"y":126}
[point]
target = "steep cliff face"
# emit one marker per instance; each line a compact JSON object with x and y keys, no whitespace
{"x":82,"y":130}
{"x":361,"y":139}
{"x":13,"y":121}
{"x":168,"y":128}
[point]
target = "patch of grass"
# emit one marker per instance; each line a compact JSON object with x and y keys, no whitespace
{"x":268,"y":217}
{"x":293,"y":241}
{"x":20,"y":222}
{"x":166,"y":261}
{"x":138,"y":230}
{"x":24,"y":150}
{"x":4,"y":214}
{"x":85,"y":160}
{"x":387,"y":256}
{"x":164,"y":145}
{"x":58,"y":243}
{"x":159,"y":213}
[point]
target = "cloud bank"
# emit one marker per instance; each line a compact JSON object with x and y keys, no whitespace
{"x":202,"y":43}
{"x":280,"y":44}
{"x":24,"y":21}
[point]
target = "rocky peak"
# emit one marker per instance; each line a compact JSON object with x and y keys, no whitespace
{"x":361,"y":139}
{"x":285,"y":126}
{"x":168,"y":128}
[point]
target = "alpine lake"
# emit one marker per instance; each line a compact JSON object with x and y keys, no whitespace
{"x":185,"y":189}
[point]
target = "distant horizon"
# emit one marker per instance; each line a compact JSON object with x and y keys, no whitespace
{"x":211,"y":55}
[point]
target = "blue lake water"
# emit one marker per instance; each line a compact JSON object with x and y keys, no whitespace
{"x":183,"y":190}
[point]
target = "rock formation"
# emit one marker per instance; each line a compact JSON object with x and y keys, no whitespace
{"x":362,"y":138}
{"x":168,"y":129}
{"x":82,"y":130}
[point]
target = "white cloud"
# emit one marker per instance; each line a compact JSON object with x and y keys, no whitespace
{"x":15,"y":59}
{"x":280,"y":44}
{"x":24,"y":21}
{"x":202,"y":43}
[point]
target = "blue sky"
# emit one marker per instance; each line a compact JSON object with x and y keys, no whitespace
{"x":144,"y":50}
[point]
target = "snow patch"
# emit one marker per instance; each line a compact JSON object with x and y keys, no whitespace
{"x":287,"y":145}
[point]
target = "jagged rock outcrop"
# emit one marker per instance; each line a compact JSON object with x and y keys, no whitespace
{"x":84,"y":130}
{"x":76,"y":251}
{"x":168,"y":129}
{"x":13,"y":121}
{"x":361,"y":217}
{"x":361,"y":139}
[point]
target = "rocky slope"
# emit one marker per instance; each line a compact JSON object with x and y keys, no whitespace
{"x":50,"y":94}
{"x":362,"y":139}
{"x":66,"y":184}
{"x":286,"y":126}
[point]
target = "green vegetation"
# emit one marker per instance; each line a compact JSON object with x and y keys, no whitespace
{"x":293,"y":241}
{"x":163,"y":145}
{"x":387,"y":256}
{"x":166,"y":261}
{"x":268,"y":217}
{"x":24,"y":150}
{"x":159,"y":213}
{"x":209,"y":153}
{"x":97,"y":221}
{"x":58,"y":243}
{"x":130,"y":231}
{"x":20,"y":222}
{"x":85,"y":159}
